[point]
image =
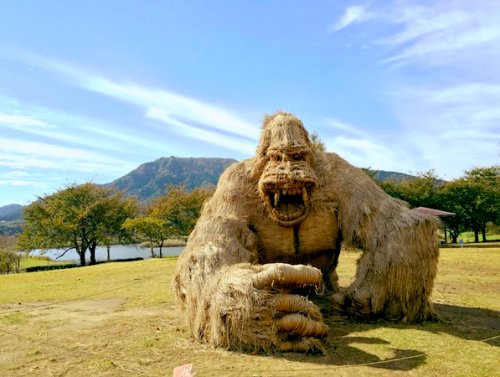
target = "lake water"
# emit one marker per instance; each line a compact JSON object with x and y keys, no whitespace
{"x":116,"y":252}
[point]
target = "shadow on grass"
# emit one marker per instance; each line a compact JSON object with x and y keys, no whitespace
{"x":346,"y":350}
{"x":469,"y":323}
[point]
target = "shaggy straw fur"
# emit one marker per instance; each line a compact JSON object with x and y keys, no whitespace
{"x":273,"y":230}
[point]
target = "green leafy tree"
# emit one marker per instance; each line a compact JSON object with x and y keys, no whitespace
{"x":370,"y":173}
{"x":150,"y":227}
{"x":9,"y":259}
{"x":110,"y":229}
{"x":180,"y":209}
{"x":78,"y":217}
{"x":317,"y":142}
{"x":453,"y":197}
{"x":417,"y":192}
{"x":474,"y":198}
{"x":169,"y":216}
{"x":485,"y":207}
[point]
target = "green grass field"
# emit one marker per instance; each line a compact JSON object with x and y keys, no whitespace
{"x":40,"y":260}
{"x":119,"y":319}
{"x":468,"y":237}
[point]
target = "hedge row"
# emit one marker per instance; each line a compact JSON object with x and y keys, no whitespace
{"x":72,"y":265}
{"x":51,"y":267}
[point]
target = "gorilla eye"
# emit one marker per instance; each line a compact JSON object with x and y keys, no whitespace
{"x":298,"y":157}
{"x":277,"y":157}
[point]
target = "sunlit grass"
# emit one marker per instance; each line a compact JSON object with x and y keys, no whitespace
{"x":38,"y":260}
{"x":119,"y":319}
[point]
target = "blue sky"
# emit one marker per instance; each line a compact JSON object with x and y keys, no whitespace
{"x":91,"y":89}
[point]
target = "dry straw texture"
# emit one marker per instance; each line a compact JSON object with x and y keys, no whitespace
{"x":271,"y":235}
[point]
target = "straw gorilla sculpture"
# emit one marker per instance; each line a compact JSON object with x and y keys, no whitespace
{"x":272,"y":234}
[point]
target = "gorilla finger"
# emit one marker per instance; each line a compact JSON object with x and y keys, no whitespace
{"x":303,"y":345}
{"x":282,"y":275}
{"x":299,"y":325}
{"x":289,"y":303}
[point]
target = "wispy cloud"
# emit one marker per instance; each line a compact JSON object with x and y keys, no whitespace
{"x":23,"y":154}
{"x":187,"y":116}
{"x":184,"y":128}
{"x":447,"y":118}
{"x":23,"y":121}
{"x":344,"y":127}
{"x":171,"y":103}
{"x":469,"y":106}
{"x":59,"y":127}
{"x":430,"y":32}
{"x":353,"y":14}
{"x":367,"y":153}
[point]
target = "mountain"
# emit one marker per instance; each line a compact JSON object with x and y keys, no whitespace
{"x":151,"y":179}
{"x":11,"y":218}
{"x":382,"y":175}
{"x":11,"y":212}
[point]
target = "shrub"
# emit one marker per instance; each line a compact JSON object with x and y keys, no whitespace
{"x":9,"y":261}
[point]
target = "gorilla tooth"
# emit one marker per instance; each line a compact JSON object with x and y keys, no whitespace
{"x":276,"y":198}
{"x":305,"y":196}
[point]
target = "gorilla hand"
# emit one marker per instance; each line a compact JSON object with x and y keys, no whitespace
{"x":260,"y":311}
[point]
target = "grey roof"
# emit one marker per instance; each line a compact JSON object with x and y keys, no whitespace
{"x":433,"y":212}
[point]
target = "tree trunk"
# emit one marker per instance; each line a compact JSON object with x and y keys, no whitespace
{"x":92,"y":253}
{"x":483,"y":232}
{"x":476,"y":235}
{"x":82,"y":257}
{"x":151,"y":247}
{"x":108,"y":247}
{"x":161,"y":245}
{"x":18,"y":264}
{"x":454,"y":238}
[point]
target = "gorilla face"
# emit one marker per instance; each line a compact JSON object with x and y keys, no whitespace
{"x":288,"y":179}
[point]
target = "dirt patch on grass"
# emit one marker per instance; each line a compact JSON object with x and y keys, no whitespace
{"x":77,"y":315}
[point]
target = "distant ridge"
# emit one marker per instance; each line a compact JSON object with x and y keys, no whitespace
{"x":152,"y":178}
{"x":11,"y":212}
{"x":11,"y":218}
{"x":382,"y":175}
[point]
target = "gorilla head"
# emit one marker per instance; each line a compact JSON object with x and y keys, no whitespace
{"x":288,"y":179}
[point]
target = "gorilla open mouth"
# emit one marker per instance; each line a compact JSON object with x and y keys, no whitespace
{"x":287,"y":204}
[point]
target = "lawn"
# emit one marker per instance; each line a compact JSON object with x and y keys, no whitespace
{"x":39,"y":260}
{"x":119,"y":319}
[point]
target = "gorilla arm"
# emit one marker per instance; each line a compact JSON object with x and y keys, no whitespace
{"x":229,"y":300}
{"x":396,"y":271}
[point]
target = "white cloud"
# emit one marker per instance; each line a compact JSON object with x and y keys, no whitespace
{"x":21,"y":183}
{"x":187,"y":116}
{"x":23,"y":154}
{"x":175,"y":105}
{"x":21,"y":121}
{"x":201,"y":134}
{"x":453,"y":128}
{"x":430,"y":33}
{"x":352,"y":14}
{"x":458,"y":107}
{"x":344,"y":127}
{"x":80,"y":131}
{"x":368,"y":153}
{"x":440,"y":33}
{"x":441,"y":60}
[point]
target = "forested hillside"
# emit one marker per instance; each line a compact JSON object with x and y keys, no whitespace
{"x":151,"y":179}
